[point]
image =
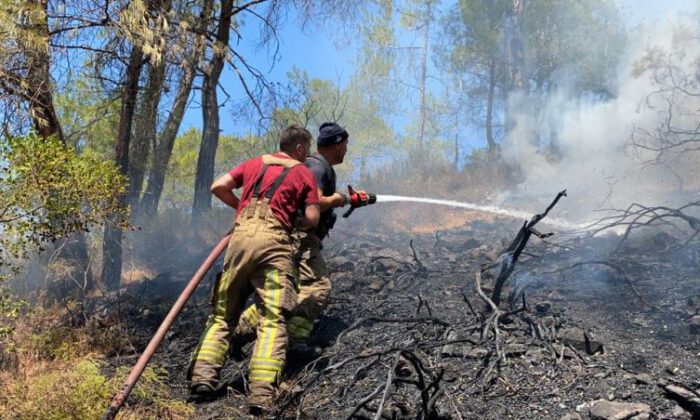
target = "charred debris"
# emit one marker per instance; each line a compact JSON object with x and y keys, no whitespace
{"x":466,"y":323}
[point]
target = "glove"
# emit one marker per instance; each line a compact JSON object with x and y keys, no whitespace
{"x":346,"y":199}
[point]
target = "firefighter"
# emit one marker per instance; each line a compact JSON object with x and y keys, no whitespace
{"x":314,"y":281}
{"x":259,"y":261}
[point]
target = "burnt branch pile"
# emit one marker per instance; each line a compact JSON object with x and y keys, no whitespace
{"x":460,"y":325}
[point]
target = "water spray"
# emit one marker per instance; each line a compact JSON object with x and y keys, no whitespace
{"x":360,"y":199}
{"x":382,"y":198}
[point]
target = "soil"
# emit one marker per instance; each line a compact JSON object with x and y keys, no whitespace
{"x":583,"y":331}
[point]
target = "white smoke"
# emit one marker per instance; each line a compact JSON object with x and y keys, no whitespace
{"x":597,"y":164}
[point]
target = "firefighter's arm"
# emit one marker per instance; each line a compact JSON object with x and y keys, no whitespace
{"x":331,"y":201}
{"x":223,"y":188}
{"x":312,"y":214}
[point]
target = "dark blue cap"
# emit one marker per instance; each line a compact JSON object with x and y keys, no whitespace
{"x":331,"y":133}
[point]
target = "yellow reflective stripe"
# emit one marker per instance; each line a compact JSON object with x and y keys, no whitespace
{"x":211,"y":357}
{"x":250,"y":315}
{"x":215,"y":346}
{"x":207,"y":337}
{"x":262,"y":340}
{"x":264,"y":359}
{"x":221,"y":293}
{"x":278,"y":300}
{"x":271,"y":364}
{"x":298,"y":332}
{"x":300,"y":327}
{"x":210,"y":360}
{"x":215,"y":342}
{"x":262,"y":377}
{"x":272,"y":301}
{"x":211,"y":352}
{"x":301,"y":322}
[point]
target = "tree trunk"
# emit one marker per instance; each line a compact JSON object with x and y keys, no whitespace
{"x":424,"y":75}
{"x":207,"y":150}
{"x":515,"y":61}
{"x":166,"y":141}
{"x":490,"y":141}
{"x":210,"y":114}
{"x":38,"y":79}
{"x":112,"y":245}
{"x":36,"y":89}
{"x":516,"y":46}
{"x":144,"y":134}
{"x":164,"y":148}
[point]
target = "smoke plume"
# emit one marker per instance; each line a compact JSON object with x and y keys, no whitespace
{"x":596,"y":160}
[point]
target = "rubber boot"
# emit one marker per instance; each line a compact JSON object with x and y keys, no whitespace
{"x":201,"y":393}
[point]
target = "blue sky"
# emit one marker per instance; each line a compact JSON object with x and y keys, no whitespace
{"x":327,"y":56}
{"x":319,"y":53}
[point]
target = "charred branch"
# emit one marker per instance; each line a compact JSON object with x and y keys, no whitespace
{"x":637,"y":216}
{"x":509,"y":257}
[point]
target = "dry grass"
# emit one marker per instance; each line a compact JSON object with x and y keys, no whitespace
{"x":59,"y":373}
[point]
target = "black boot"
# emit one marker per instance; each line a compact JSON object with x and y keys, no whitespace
{"x":201,"y":393}
{"x":303,"y":352}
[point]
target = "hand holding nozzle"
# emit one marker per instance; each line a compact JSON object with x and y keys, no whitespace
{"x":358,"y":199}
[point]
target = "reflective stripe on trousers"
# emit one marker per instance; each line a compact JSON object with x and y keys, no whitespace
{"x":314,"y":291}
{"x":258,"y":260}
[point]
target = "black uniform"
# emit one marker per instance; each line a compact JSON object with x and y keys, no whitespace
{"x":325,"y":179}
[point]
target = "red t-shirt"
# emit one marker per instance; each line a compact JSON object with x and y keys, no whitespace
{"x":297,"y":190}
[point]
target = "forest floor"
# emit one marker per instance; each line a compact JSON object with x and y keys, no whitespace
{"x":579,"y":334}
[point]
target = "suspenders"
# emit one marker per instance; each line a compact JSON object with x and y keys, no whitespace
{"x":254,"y":209}
{"x":273,"y":189}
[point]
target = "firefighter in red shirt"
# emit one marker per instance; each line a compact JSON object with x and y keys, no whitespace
{"x":259,"y":260}
{"x":314,"y":278}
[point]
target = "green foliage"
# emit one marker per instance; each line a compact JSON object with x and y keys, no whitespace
{"x":154,"y":393}
{"x":78,"y":390}
{"x":57,"y":372}
{"x":57,"y":342}
{"x":362,"y":107}
{"x":567,"y":42}
{"x":47,"y":191}
{"x":17,"y":27}
{"x":178,"y":190}
{"x":10,"y":310}
{"x":89,"y":118}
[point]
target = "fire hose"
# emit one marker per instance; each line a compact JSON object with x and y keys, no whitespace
{"x":140,"y":365}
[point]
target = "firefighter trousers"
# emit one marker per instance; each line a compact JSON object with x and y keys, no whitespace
{"x":315,"y":289}
{"x":258,"y":260}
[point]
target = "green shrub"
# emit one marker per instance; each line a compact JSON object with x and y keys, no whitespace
{"x":78,"y":390}
{"x":48,"y":191}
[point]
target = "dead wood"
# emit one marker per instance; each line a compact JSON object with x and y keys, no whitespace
{"x":364,"y":401}
{"x":509,"y":257}
{"x":361,"y":321}
{"x":468,"y":358}
{"x":637,"y":216}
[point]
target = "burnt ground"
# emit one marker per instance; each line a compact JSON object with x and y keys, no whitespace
{"x":407,"y":335}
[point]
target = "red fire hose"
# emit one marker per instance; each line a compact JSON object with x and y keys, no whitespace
{"x":140,"y":365}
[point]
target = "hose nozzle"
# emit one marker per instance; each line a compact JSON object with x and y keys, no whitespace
{"x":358,"y":199}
